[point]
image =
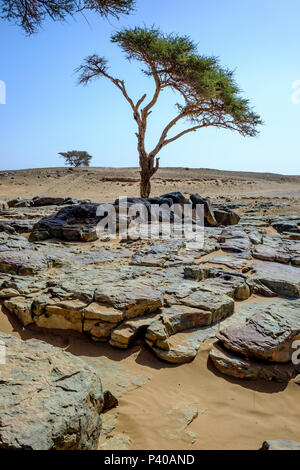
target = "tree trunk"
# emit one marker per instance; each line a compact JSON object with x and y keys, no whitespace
{"x":145,"y":185}
{"x":148,"y":165}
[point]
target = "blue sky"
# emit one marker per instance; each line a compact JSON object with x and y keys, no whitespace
{"x":47,"y":113}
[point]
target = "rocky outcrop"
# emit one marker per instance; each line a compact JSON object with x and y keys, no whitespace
{"x":50,"y":399}
{"x":172,"y":294}
{"x":79,"y":223}
{"x":245,"y":368}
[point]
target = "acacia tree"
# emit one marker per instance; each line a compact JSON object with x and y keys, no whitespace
{"x":76,"y":158}
{"x":209,"y":94}
{"x":30,"y":14}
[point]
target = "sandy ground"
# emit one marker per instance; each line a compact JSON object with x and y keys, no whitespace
{"x":105,"y":184}
{"x":232,"y":414}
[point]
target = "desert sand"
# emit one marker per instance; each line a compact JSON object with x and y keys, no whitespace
{"x":106,"y":184}
{"x":187,"y":406}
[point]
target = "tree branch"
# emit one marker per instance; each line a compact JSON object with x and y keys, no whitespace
{"x":158,"y":87}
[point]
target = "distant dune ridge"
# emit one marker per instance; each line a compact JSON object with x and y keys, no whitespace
{"x":103,"y":184}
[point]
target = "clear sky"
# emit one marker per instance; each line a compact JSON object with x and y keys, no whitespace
{"x":47,"y":113}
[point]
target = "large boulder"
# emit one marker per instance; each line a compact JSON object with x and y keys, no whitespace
{"x":50,"y":399}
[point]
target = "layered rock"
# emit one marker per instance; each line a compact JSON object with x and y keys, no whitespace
{"x":268,"y":334}
{"x":244,"y":368}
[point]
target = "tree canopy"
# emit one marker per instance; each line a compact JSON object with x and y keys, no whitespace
{"x":76,"y":158}
{"x":209,"y":94}
{"x":30,"y":14}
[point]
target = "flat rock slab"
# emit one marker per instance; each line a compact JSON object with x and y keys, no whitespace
{"x":233,"y":261}
{"x":268,"y":253}
{"x":50,"y":399}
{"x":279,"y":278}
{"x":26,"y":262}
{"x":268,"y":334}
{"x":220,"y":305}
{"x":135,"y":300}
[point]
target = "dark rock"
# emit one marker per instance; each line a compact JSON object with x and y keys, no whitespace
{"x":286,"y":227}
{"x":134,"y":301}
{"x":39,"y":201}
{"x":74,"y":223}
{"x":180,"y":318}
{"x":19,"y":202}
{"x":176,"y":197}
{"x":209,"y":216}
{"x":110,"y":401}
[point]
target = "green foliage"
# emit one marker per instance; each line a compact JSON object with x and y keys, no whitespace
{"x":200,"y":80}
{"x":76,"y":158}
{"x":30,"y":14}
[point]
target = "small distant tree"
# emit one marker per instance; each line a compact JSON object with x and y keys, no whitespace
{"x":30,"y":14}
{"x":76,"y":158}
{"x":209,"y":94}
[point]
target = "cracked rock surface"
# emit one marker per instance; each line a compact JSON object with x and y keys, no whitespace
{"x":171,"y":294}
